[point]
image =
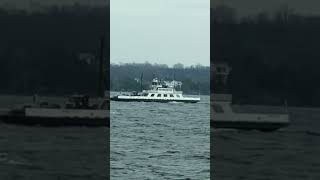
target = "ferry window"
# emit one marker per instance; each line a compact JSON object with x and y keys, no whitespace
{"x":159,"y":95}
{"x":178,"y":96}
{"x":152,"y":95}
{"x":165,"y":95}
{"x":171,"y":95}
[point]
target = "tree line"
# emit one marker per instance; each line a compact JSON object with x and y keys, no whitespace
{"x":126,"y":77}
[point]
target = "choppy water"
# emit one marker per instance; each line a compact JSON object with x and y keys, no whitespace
{"x":37,"y":153}
{"x":289,"y":153}
{"x":55,"y":153}
{"x":160,"y":140}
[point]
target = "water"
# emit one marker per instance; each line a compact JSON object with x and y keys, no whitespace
{"x":55,"y":153}
{"x":160,"y":140}
{"x":76,"y":153}
{"x":289,"y":153}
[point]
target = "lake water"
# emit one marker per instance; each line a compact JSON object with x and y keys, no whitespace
{"x":160,"y":140}
{"x":55,"y":153}
{"x":289,"y":153}
{"x":37,"y":153}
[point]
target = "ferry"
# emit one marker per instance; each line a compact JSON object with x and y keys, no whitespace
{"x":76,"y":112}
{"x":159,"y":92}
{"x":224,"y":116}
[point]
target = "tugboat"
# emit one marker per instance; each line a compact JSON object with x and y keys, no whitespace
{"x":159,"y":92}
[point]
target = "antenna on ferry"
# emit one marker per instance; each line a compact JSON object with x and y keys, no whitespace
{"x":141,"y":81}
{"x":199,"y":89}
{"x":174,"y":77}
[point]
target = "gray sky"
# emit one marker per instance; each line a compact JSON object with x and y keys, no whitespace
{"x":160,"y":31}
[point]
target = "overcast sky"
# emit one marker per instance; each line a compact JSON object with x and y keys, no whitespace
{"x":160,"y":31}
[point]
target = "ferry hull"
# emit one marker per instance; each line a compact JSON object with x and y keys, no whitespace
{"x":246,"y":125}
{"x":154,"y":100}
{"x":55,"y":117}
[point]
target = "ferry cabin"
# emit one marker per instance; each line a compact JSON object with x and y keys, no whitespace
{"x":163,"y":93}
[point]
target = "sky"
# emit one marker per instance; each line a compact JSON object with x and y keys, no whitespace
{"x":160,"y":31}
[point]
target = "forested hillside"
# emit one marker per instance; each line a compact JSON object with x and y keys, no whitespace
{"x":195,"y":79}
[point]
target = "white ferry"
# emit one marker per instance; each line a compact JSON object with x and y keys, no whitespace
{"x":224,"y":116}
{"x":159,"y":92}
{"x":77,"y":112}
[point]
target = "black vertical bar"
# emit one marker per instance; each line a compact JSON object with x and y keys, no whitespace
{"x":101,"y":69}
{"x":107,"y":86}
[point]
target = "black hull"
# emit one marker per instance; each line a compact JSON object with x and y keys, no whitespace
{"x":152,"y":100}
{"x":40,"y":121}
{"x":248,"y":125}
